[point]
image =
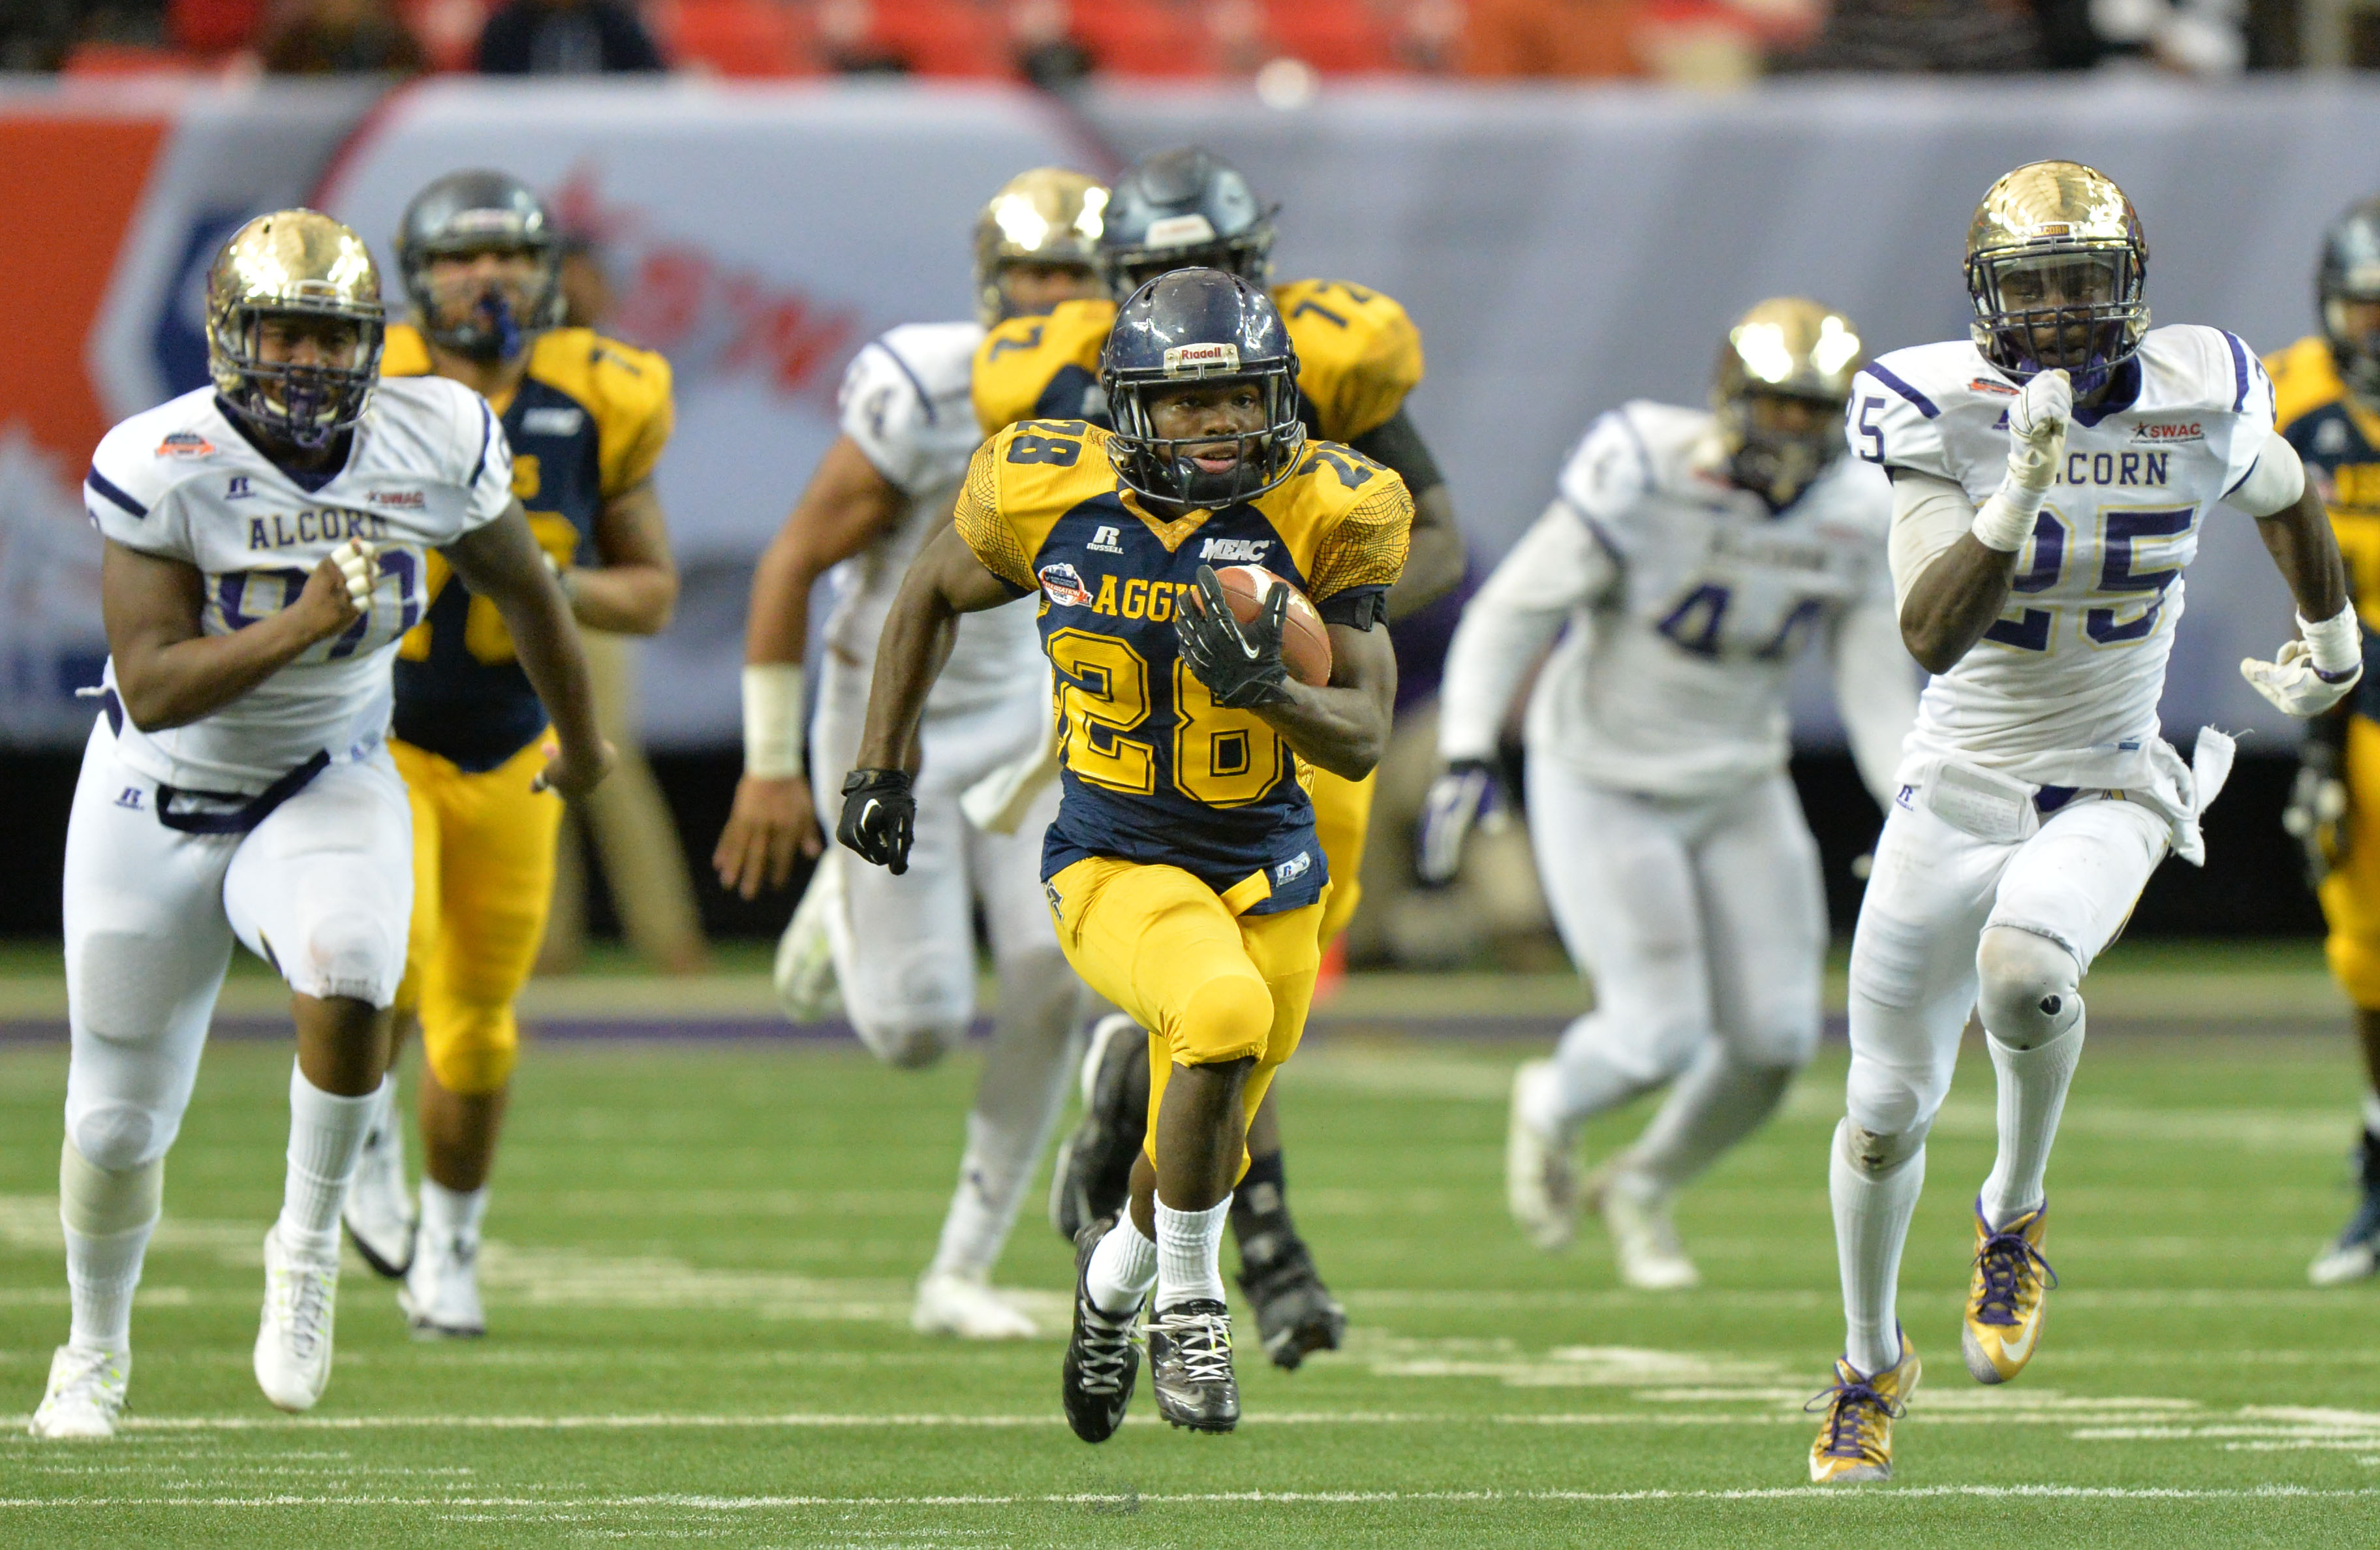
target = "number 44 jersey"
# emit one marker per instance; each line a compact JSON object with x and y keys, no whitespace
{"x":2063,"y":688}
{"x":427,"y":464}
{"x":1153,"y":771}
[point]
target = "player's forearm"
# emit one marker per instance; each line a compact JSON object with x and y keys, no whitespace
{"x":2305,"y":551}
{"x":633,"y":599}
{"x":1343,"y":731}
{"x":1434,"y":557}
{"x":1950,"y":606}
{"x":777,"y":625}
{"x":1873,"y":695}
{"x":546,"y":643}
{"x":1493,"y":651}
{"x":173,"y":685}
{"x":909,"y":656}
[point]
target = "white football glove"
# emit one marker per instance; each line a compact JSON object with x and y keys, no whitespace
{"x":2290,"y":682}
{"x":2037,"y":430}
{"x":354,"y":559}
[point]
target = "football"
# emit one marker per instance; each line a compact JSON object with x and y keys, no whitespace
{"x":1305,"y":644}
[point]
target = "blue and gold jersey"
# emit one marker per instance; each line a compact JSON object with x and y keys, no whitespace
{"x":588,"y":422}
{"x":2339,"y":441}
{"x":1358,"y":355}
{"x":1154,"y":770}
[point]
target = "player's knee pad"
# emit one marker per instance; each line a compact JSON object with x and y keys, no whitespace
{"x":1783,"y":1040}
{"x":350,"y":949}
{"x":909,"y":1046}
{"x":470,"y":1049}
{"x":119,"y":1136}
{"x":1227,"y":1018}
{"x":1891,"y":1099}
{"x":101,"y":1202}
{"x":2030,"y":987}
{"x":1879,"y":1153}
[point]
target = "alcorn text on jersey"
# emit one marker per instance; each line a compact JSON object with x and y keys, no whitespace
{"x":1676,"y":684}
{"x":428,"y":463}
{"x":905,"y":406}
{"x":2063,"y":688}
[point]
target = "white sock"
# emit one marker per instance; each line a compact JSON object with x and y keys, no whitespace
{"x":1122,"y":1269}
{"x":1586,"y":1082}
{"x":2372,"y":1113}
{"x":2032,"y":1094}
{"x":1872,"y":1215}
{"x":326,"y":1132}
{"x":1189,"y":1253}
{"x":101,"y":1272}
{"x":449,"y":1214}
{"x":1716,"y":1104}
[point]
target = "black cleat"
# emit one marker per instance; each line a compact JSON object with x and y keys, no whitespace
{"x":1092,"y":1177}
{"x":1101,"y":1361}
{"x":1295,"y":1313}
{"x":1190,"y":1366}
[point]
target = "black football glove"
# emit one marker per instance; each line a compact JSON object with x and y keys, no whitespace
{"x":878,"y":816}
{"x":1238,"y":663}
{"x":2316,"y":815}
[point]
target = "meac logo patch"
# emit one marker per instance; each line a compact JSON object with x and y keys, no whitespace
{"x":1235,"y":552}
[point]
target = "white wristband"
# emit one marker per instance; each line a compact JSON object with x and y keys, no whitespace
{"x":2006,"y":520}
{"x":773,"y":720}
{"x":2335,"y":645}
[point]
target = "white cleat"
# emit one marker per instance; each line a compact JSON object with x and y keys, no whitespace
{"x":952,"y":1304}
{"x":292,"y":1346}
{"x":803,"y":974}
{"x":1644,"y":1237}
{"x":1540,"y":1182}
{"x":378,"y":1209}
{"x":2341,"y":1264}
{"x":86,"y":1395}
{"x":440,"y":1295}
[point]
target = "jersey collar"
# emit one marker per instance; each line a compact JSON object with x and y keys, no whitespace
{"x":2123,"y":391}
{"x":314,"y":481}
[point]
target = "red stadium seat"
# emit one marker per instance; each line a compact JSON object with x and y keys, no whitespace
{"x":1144,"y":37}
{"x":129,"y":59}
{"x":750,"y":38}
{"x":213,"y":25}
{"x":945,"y":37}
{"x":1337,"y":37}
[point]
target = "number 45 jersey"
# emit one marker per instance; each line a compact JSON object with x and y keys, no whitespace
{"x":2063,"y":688}
{"x":1152,"y":769}
{"x":428,"y":464}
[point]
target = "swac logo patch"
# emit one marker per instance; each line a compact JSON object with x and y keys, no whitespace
{"x":1064,"y":585}
{"x":409,"y":498}
{"x":1235,"y":552}
{"x":1293,"y":868}
{"x":1199,"y":360}
{"x":185,"y":443}
{"x":2166,"y":432}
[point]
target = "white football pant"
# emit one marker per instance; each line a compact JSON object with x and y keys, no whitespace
{"x":322,"y":888}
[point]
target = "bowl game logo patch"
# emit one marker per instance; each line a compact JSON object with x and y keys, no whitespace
{"x":1064,"y":585}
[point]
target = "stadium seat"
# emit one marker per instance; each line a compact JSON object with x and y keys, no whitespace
{"x":128,"y":59}
{"x":945,"y":37}
{"x":1337,"y":37}
{"x":743,"y":38}
{"x":449,"y":29}
{"x":1144,"y":37}
{"x":213,"y":27}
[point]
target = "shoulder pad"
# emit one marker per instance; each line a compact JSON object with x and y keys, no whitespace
{"x":405,"y":353}
{"x":1894,"y":417}
{"x":627,"y":391}
{"x":904,"y":401}
{"x":1018,"y":357}
{"x":1609,"y":472}
{"x":2200,"y":367}
{"x":1348,"y":518}
{"x":2305,"y":378}
{"x":1358,"y":354}
{"x":139,"y":463}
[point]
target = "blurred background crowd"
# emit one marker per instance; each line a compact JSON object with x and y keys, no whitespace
{"x":1283,"y":45}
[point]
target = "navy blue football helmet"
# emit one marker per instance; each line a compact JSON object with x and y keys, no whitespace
{"x":1199,"y":326}
{"x":2350,"y":271}
{"x":1181,"y":210}
{"x":473,"y":211}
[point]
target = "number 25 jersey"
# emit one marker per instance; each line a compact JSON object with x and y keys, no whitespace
{"x":1153,"y":771}
{"x":2063,"y":688}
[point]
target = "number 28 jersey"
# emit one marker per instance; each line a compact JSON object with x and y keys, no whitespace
{"x":1153,"y":771}
{"x":428,"y":463}
{"x":2063,"y":688}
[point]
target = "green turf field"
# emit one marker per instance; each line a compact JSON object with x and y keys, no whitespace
{"x":698,"y":1281}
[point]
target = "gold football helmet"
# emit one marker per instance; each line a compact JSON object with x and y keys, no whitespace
{"x":1800,"y":357}
{"x":2057,"y":263}
{"x":295,"y":264}
{"x":1048,"y":215}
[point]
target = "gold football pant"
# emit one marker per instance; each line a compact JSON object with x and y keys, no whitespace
{"x":2350,"y":895}
{"x":1208,"y":985}
{"x":483,"y":849}
{"x":1342,"y":820}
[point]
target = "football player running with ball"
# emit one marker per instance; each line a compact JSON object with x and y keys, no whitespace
{"x":899,"y":950}
{"x":586,"y":419}
{"x":266,"y":545}
{"x":2328,"y":403}
{"x":2049,"y":478}
{"x":1181,"y":871}
{"x":1699,"y":552}
{"x":1358,"y":357}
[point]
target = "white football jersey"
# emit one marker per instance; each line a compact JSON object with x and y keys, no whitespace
{"x":2063,"y":688}
{"x":429,"y":464}
{"x":1672,"y":677}
{"x":906,"y":404}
